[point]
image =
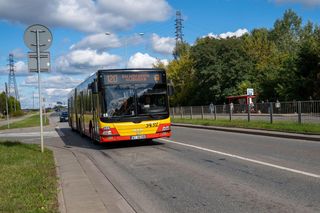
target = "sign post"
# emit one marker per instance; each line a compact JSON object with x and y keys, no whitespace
{"x":250,"y":91}
{"x":38,"y":38}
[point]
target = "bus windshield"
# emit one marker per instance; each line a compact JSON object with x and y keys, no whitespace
{"x":135,"y":99}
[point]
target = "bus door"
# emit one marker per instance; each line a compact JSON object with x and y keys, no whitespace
{"x":94,"y":127}
{"x":81,"y":112}
{"x":76,"y":108}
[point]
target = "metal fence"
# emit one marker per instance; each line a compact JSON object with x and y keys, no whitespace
{"x":299,"y":111}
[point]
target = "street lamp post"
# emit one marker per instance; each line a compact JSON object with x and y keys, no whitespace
{"x":125,"y":46}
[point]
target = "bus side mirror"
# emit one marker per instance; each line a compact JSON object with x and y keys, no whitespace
{"x":93,"y":86}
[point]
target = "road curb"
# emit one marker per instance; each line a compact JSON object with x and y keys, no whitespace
{"x":61,"y":200}
{"x":254,"y":132}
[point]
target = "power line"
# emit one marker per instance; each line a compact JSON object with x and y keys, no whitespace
{"x":179,"y":26}
{"x":13,"y":89}
{"x":178,"y":32}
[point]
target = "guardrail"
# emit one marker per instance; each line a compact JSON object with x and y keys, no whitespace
{"x":299,"y":111}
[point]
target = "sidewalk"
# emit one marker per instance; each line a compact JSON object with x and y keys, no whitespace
{"x":82,"y":187}
{"x":310,"y":137}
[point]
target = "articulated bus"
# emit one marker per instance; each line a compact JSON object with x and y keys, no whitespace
{"x":121,"y":104}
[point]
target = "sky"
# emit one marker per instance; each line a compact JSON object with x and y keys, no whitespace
{"x":100,"y":34}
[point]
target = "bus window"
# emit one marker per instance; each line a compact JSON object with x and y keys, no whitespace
{"x":120,"y":100}
{"x":151,"y":98}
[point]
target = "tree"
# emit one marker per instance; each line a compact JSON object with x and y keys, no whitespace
{"x":308,"y":63}
{"x":2,"y":102}
{"x":181,"y":73}
{"x":286,"y":32}
{"x":220,"y":66}
{"x":180,"y":49}
{"x":265,"y":57}
{"x":282,"y":63}
{"x":12,"y":102}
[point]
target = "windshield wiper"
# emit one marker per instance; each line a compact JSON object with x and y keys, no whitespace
{"x":152,"y":116}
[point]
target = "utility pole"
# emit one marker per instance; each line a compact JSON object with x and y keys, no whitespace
{"x":7,"y":105}
{"x":178,"y":32}
{"x":13,"y":89}
{"x":33,"y":100}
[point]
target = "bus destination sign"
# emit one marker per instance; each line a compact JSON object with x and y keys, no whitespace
{"x":117,"y":78}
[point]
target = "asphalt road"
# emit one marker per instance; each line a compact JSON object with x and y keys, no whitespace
{"x":209,"y":171}
{"x":205,"y":171}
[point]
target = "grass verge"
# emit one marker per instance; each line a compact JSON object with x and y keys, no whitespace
{"x":283,"y":126}
{"x":28,"y":180}
{"x":31,"y":121}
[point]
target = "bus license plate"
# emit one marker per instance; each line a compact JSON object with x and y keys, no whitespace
{"x":138,"y":137}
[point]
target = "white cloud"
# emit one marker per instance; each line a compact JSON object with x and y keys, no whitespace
{"x":84,"y":61}
{"x":308,"y":3}
{"x":54,"y":88}
{"x":238,"y":33}
{"x":98,"y":41}
{"x":140,"y":60}
{"x":53,"y":95}
{"x":136,"y":10}
{"x":163,"y":45}
{"x":85,"y":15}
{"x":18,"y":53}
{"x":57,"y":92}
{"x":91,"y":58}
{"x":56,"y":82}
{"x":102,"y":41}
{"x":20,"y":68}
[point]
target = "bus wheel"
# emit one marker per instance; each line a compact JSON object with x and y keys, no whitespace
{"x":95,"y":142}
{"x":80,"y":129}
{"x":148,"y":141}
{"x":91,"y":130}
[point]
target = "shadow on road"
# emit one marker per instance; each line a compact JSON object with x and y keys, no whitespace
{"x":73,"y":139}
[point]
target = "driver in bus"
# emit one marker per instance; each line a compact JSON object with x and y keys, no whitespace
{"x":147,"y":102}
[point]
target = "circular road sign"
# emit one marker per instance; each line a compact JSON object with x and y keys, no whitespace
{"x":30,"y":37}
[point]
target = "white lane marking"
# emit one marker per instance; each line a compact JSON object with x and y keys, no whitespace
{"x":244,"y":158}
{"x":266,"y":136}
{"x":60,"y":133}
{"x":29,"y":134}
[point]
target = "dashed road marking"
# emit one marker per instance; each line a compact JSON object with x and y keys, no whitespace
{"x":48,"y":134}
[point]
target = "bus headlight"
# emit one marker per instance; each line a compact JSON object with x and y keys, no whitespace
{"x":106,"y":131}
{"x":165,"y":128}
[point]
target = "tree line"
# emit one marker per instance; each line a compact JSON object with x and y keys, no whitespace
{"x":281,"y":63}
{"x":14,"y":106}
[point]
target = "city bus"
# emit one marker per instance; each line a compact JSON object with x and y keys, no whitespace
{"x":121,"y":105}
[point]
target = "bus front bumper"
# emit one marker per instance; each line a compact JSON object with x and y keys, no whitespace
{"x":106,"y":139}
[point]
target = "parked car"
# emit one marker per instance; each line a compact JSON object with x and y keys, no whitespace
{"x":63,"y":116}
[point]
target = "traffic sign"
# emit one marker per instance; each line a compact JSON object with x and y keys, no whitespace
{"x":250,"y":91}
{"x":44,"y":62}
{"x":30,"y":37}
{"x":38,"y":38}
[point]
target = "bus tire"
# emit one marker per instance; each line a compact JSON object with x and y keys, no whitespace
{"x":80,"y":129}
{"x":95,"y":142}
{"x":91,"y":130}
